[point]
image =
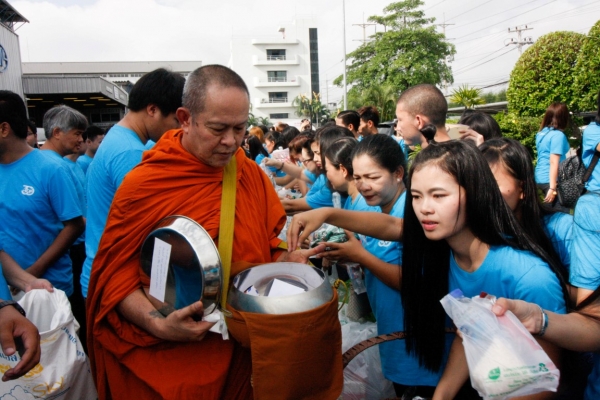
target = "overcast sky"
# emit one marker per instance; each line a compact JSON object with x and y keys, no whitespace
{"x":183,"y":30}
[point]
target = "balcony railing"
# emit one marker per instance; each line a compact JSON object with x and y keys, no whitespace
{"x":276,"y":58}
{"x":275,"y":100}
{"x":277,"y":78}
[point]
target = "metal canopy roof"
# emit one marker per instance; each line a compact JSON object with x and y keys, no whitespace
{"x":50,"y":86}
{"x":10,"y":17}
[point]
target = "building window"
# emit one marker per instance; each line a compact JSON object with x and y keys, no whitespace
{"x":118,"y":75}
{"x":278,"y":97}
{"x":277,"y":76}
{"x":276,"y":55}
{"x":279,"y":116}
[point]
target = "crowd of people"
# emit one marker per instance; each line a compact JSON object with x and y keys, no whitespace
{"x":423,"y":215}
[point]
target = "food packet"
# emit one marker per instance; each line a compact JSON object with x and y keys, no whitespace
{"x":504,"y":360}
{"x":328,"y":233}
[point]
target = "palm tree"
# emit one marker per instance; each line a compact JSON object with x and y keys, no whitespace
{"x":311,"y":107}
{"x":466,"y":96}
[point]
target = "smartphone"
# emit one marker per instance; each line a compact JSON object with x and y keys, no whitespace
{"x":454,"y":130}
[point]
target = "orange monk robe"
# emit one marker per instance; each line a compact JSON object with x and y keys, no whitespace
{"x":129,"y":363}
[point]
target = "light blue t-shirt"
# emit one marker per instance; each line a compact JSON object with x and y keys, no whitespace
{"x":585,"y":246}
{"x":4,"y":292}
{"x":80,"y":182}
{"x":121,"y":150}
{"x":559,"y":228}
{"x":358,"y":204}
{"x":259,"y":158}
{"x":37,"y":194}
{"x":311,"y":176}
{"x":319,"y":194}
{"x":591,"y":138}
{"x":84,"y":162}
{"x":511,"y":273}
{"x":398,"y":366}
{"x":548,"y":141}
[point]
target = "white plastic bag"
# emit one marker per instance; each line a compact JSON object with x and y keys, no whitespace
{"x":363,"y":377}
{"x":504,"y":360}
{"x":63,"y":371}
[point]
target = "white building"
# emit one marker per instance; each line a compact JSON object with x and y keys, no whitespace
{"x":279,"y":68}
{"x":10,"y":53}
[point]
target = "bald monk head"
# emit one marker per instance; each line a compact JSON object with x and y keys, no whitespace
{"x":214,"y":114}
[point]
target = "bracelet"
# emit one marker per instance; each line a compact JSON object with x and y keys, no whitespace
{"x":544,"y":322}
{"x":553,"y":189}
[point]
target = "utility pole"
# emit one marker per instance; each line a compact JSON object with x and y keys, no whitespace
{"x":520,"y":42}
{"x":364,"y":28}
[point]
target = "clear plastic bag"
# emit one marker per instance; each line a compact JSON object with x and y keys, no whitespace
{"x":504,"y":360}
{"x":363,"y":377}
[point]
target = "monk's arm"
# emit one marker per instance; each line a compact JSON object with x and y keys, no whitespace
{"x":178,"y":326}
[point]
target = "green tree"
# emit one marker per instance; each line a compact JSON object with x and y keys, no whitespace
{"x":544,"y":73}
{"x":587,"y":72}
{"x":311,"y":108}
{"x":466,"y":96}
{"x":383,"y":97}
{"x":520,"y":128}
{"x":407,"y":53}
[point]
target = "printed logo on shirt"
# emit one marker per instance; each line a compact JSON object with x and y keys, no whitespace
{"x":28,"y":190}
{"x":383,"y":243}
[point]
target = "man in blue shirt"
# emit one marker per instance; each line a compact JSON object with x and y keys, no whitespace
{"x":94,"y":135}
{"x":153,"y":101}
{"x":39,"y":210}
{"x":65,"y":129}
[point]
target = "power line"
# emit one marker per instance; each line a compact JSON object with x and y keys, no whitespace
{"x":501,"y":12}
{"x":469,"y":10}
{"x":564,"y":12}
{"x":429,"y":8}
{"x":476,"y":62}
{"x":485,"y":62}
{"x":503,"y":21}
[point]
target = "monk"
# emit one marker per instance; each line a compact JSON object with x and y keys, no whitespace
{"x":136,"y":353}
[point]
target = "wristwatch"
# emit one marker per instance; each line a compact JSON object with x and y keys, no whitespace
{"x":16,"y":305}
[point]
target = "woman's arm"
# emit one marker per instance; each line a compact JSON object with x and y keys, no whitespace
{"x":353,"y":251}
{"x":455,"y":374}
{"x":378,"y":225}
{"x":572,"y":331}
{"x":554,"y":161}
{"x":290,"y":169}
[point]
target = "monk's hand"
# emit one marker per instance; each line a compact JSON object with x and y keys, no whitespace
{"x":180,"y":325}
{"x":301,"y":256}
{"x":304,"y":224}
{"x":528,"y":313}
{"x":16,"y":329}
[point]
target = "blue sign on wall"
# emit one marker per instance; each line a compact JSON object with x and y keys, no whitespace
{"x":3,"y":59}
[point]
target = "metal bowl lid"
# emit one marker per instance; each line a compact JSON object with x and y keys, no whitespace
{"x":183,"y":264}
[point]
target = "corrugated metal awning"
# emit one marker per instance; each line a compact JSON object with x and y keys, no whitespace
{"x":52,"y":85}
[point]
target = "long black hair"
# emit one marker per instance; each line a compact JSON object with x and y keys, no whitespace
{"x":255,"y":147}
{"x":425,"y":263}
{"x":516,"y":159}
